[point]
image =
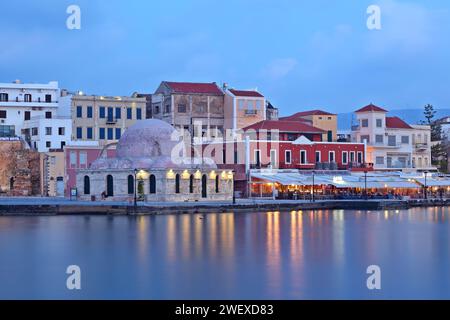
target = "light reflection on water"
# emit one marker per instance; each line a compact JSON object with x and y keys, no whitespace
{"x":272,"y":255}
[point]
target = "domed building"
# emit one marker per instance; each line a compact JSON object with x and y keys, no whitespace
{"x":150,"y":161}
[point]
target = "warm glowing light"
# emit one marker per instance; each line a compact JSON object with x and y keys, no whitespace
{"x":212,"y":175}
{"x":185,"y":175}
{"x":142,"y":174}
{"x":198,"y":175}
{"x":170,"y":174}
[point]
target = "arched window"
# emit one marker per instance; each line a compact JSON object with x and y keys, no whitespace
{"x":191,"y":184}
{"x":11,"y":183}
{"x":217,"y":183}
{"x":152,"y":184}
{"x":204,"y":186}
{"x":130,"y":184}
{"x":177,"y":183}
{"x":110,"y":186}
{"x":87,"y":185}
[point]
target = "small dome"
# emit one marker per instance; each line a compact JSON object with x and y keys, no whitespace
{"x":147,"y":139}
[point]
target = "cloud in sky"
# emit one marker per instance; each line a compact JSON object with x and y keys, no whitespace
{"x":296,"y":53}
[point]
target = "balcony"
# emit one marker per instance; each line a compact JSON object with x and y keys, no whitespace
{"x":421,"y":146}
{"x":251,"y":112}
{"x":111,"y":121}
{"x":355,"y":128}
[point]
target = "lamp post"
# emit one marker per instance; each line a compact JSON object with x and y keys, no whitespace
{"x":135,"y":187}
{"x":365,"y":184}
{"x":234,"y":194}
{"x":425,"y":186}
{"x":312,"y":194}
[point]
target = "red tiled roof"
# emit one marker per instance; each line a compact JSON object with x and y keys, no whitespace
{"x":192,"y":87}
{"x":309,"y":113}
{"x":284,"y":126}
{"x":246,"y":93}
{"x":371,"y":108}
{"x":396,"y":123}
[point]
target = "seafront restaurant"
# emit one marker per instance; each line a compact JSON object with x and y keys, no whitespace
{"x":299,"y":185}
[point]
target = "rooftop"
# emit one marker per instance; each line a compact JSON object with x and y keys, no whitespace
{"x":309,"y":113}
{"x":246,"y":93}
{"x":194,"y":87}
{"x":284,"y":126}
{"x":396,"y":123}
{"x":371,"y":108}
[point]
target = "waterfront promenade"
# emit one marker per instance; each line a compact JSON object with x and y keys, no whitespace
{"x":58,"y":206}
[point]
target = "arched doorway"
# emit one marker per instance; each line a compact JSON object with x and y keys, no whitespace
{"x":11,"y":183}
{"x":204,"y":186}
{"x":87,"y":185}
{"x":191,"y":184}
{"x":177,"y":183}
{"x":110,"y":186}
{"x":130,"y":184}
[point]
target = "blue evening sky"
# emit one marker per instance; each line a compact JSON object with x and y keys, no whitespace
{"x":300,"y":54}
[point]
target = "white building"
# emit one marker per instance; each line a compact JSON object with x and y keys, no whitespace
{"x":391,"y":143}
{"x":45,"y":134}
{"x":20,"y":102}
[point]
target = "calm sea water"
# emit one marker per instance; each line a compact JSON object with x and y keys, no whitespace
{"x":275,"y":255}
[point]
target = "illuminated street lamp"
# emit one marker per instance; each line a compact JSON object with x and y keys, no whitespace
{"x":312,"y":198}
{"x":425,"y":186}
{"x":135,"y":187}
{"x":365,"y":184}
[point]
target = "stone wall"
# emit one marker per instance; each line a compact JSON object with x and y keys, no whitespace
{"x":22,"y":165}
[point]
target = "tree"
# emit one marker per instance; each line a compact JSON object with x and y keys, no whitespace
{"x":435,"y":126}
{"x":439,"y":148}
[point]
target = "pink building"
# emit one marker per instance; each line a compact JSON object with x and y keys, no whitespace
{"x":81,"y":157}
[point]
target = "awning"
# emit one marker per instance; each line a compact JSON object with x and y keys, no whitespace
{"x":434,"y":182}
{"x":400,"y":184}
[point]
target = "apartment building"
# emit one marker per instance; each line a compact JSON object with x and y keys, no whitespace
{"x":101,"y":118}
{"x":193,"y":108}
{"x":244,"y":108}
{"x":21,"y":102}
{"x":391,"y":143}
{"x":319,"y":119}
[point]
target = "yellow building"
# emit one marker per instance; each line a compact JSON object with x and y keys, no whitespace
{"x":243,"y":108}
{"x":319,"y":119}
{"x":52,"y":173}
{"x":100,"y":118}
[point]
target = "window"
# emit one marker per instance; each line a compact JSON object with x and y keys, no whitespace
{"x":241,"y":104}
{"x":365,"y":139}
{"x":102,"y":113}
{"x":27,"y":97}
{"x":287,"y":156}
{"x":83,"y":159}
{"x":291,"y":136}
{"x":379,"y":123}
{"x":379,"y":138}
{"x":79,"y":133}
{"x":48,"y":98}
{"x":138,"y":113}
{"x":250,"y":104}
{"x":364,"y":123}
{"x":27,"y":115}
{"x":360,"y":157}
{"x":73,"y":159}
{"x":344,"y":157}
{"x":61,"y":131}
{"x":48,"y":115}
{"x":34,"y":131}
{"x":156,"y":109}
{"x":258,"y":104}
{"x":379,"y":160}
{"x":48,"y":131}
{"x":152,"y":184}
{"x":89,"y":112}
{"x":79,"y":112}
{"x":101,"y":133}
{"x":331,"y":157}
{"x":90,"y":133}
{"x":129,"y":113}
{"x":392,"y":141}
{"x":48,"y":144}
{"x":167,"y":108}
{"x":405,"y":139}
{"x":118,"y":113}
{"x":182,"y":108}
{"x":352,"y":156}
{"x":318,"y":156}
{"x":217,"y":183}
{"x":200,"y":108}
{"x":329,"y":118}
{"x":3,"y":97}
{"x":273,"y":157}
{"x":303,"y":159}
{"x":177,"y":183}
{"x":87,"y":185}
{"x":110,"y":134}
{"x":110,"y":114}
{"x":191,"y":184}
{"x":3,"y":114}
{"x":118,"y":133}
{"x":130,"y":184}
{"x":63,"y":144}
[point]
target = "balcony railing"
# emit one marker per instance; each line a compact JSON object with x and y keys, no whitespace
{"x":111,"y":120}
{"x":251,"y":112}
{"x":421,"y":146}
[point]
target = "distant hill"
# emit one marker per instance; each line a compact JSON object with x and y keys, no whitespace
{"x":412,"y":116}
